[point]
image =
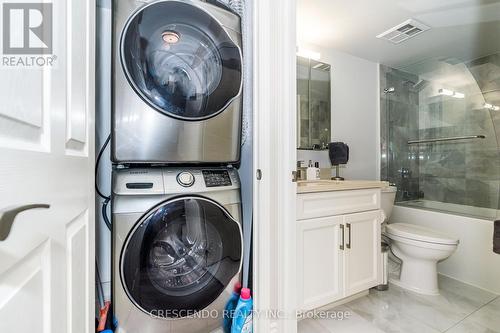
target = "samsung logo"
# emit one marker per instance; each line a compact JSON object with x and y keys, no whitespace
{"x":138,"y":172}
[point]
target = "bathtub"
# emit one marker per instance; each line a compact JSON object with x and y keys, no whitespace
{"x":470,"y":211}
{"x":474,"y":261}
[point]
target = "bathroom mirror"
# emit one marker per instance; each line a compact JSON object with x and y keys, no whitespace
{"x":313,"y":104}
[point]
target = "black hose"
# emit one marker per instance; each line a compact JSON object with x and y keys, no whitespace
{"x":107,"y":199}
{"x":104,"y":211}
{"x":97,"y":169}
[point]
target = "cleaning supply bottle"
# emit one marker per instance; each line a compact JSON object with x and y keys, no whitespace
{"x":230,"y":308}
{"x":242,"y":321}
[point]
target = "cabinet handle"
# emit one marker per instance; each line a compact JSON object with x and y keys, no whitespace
{"x":8,"y":215}
{"x":342,"y":235}
{"x":348,"y":245}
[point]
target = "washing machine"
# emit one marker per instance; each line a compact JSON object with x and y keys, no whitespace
{"x":177,"y":248}
{"x":177,"y":83}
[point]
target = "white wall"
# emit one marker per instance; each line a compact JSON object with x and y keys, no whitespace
{"x":355,"y":113}
{"x":474,"y":261}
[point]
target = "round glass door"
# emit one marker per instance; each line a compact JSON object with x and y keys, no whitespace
{"x":181,"y":256}
{"x":180,"y":60}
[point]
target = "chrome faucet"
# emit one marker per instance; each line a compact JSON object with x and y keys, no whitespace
{"x":405,"y":172}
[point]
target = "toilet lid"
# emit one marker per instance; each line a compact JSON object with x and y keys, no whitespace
{"x":419,"y":233}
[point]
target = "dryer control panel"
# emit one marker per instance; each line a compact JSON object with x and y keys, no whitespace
{"x":173,"y":181}
{"x":215,"y":178}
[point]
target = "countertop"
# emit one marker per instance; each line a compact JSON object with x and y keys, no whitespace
{"x":310,"y":186}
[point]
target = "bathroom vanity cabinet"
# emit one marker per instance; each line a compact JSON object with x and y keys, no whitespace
{"x":338,"y":245}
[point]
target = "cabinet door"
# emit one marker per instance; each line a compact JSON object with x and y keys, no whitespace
{"x":362,"y":255}
{"x":319,"y":262}
{"x":47,"y":195}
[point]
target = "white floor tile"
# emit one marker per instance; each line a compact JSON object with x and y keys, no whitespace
{"x":352,"y":323}
{"x":389,"y":314}
{"x":311,"y":326}
{"x":475,"y":297}
{"x":460,"y":308}
{"x":470,"y":327}
{"x":488,"y":316}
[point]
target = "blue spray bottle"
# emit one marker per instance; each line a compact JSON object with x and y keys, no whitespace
{"x":230,"y":307}
{"x":242,"y":321}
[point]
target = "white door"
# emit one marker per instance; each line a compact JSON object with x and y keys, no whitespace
{"x":47,"y":160}
{"x":362,"y":251}
{"x":319,"y":261}
{"x":275,"y":195}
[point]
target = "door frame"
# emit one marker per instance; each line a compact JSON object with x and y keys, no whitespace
{"x":274,"y":85}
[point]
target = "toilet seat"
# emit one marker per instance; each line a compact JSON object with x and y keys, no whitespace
{"x":419,"y":234}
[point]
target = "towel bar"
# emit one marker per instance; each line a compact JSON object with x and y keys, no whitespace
{"x":451,"y":138}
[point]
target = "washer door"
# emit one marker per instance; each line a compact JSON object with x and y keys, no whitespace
{"x":180,"y":60}
{"x":181,"y":256}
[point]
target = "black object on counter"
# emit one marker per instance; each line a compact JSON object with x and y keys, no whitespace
{"x":338,"y":152}
{"x":496,"y":237}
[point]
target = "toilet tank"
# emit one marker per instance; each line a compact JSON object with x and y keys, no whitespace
{"x":388,"y":197}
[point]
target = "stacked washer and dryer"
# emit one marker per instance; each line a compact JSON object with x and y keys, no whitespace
{"x":176,"y":135}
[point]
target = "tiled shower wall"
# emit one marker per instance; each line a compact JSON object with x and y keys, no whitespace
{"x":484,"y":162}
{"x":460,"y":172}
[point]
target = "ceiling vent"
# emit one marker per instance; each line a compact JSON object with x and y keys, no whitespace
{"x":404,"y":31}
{"x":322,"y":67}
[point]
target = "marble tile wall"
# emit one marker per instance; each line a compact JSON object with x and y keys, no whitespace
{"x":483,"y":160}
{"x":461,"y":172}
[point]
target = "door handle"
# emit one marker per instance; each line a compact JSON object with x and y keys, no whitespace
{"x":342,"y":235}
{"x":348,"y":245}
{"x":8,"y":216}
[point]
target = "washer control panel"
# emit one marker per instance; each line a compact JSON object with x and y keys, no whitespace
{"x":185,"y":179}
{"x":215,"y":178}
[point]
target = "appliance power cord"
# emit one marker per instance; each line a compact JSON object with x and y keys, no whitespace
{"x":106,"y":198}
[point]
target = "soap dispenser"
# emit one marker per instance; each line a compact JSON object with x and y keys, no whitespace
{"x":312,"y":172}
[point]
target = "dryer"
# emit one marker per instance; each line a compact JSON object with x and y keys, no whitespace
{"x":177,"y":248}
{"x":177,"y":83}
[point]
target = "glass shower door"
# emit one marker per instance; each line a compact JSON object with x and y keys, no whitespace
{"x":439,"y":135}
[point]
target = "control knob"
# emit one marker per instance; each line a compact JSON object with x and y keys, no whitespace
{"x":185,"y":179}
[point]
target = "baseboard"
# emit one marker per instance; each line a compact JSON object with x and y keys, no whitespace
{"x":470,"y":284}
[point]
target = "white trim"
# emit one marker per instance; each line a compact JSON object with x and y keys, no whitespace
{"x":378,"y":124}
{"x":90,"y":147}
{"x":275,"y":155}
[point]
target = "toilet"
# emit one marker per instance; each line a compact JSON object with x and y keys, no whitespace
{"x":418,"y":248}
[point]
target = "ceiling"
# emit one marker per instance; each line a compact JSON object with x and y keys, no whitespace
{"x":461,"y":30}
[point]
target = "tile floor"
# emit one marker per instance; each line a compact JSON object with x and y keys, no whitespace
{"x":460,"y":308}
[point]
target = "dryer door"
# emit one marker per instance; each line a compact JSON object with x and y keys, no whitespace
{"x":180,"y":60}
{"x":181,"y":256}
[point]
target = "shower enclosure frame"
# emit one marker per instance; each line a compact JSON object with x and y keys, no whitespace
{"x":418,"y":145}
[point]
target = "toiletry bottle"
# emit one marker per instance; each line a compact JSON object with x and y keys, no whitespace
{"x":311,"y":171}
{"x":301,"y":170}
{"x":242,"y":321}
{"x":230,"y":307}
{"x":318,"y":170}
